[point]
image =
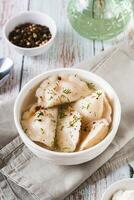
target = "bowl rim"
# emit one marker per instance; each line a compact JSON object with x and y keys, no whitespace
{"x":27,"y":13}
{"x":39,"y":148}
{"x":114,"y":185}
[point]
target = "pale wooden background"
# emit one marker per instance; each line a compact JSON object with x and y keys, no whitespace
{"x":69,"y":49}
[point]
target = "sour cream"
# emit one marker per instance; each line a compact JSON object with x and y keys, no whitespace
{"x":124,"y":195}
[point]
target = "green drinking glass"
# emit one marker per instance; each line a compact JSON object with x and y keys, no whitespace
{"x":99,"y":19}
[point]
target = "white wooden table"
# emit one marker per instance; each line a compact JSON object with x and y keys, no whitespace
{"x":69,"y":49}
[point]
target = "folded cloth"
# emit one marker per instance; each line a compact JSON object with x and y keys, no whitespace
{"x":50,"y":182}
{"x":11,"y":191}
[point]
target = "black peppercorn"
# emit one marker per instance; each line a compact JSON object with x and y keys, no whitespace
{"x":30,"y":35}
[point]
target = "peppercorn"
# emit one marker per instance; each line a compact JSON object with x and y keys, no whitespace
{"x":30,"y":35}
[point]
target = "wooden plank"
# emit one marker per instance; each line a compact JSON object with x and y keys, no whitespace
{"x":9,"y":8}
{"x":96,"y":185}
{"x":68,"y":49}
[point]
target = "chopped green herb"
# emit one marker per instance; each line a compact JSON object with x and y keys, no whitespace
{"x":52,"y":143}
{"x":65,"y":97}
{"x":91,"y":86}
{"x":66,"y":149}
{"x":42,"y":131}
{"x":62,"y":114}
{"x":86,"y":106}
{"x":40,"y":113}
{"x":75,"y":119}
{"x":66,"y":91}
{"x":99,"y":94}
{"x":52,"y":92}
{"x":51,"y":97}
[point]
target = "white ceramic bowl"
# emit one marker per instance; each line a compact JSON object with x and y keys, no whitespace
{"x":27,"y":94}
{"x":33,"y":17}
{"x":125,"y":184}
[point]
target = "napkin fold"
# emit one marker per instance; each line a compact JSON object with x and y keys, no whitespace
{"x":43,"y":181}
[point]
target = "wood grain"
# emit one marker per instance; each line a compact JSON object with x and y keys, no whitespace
{"x":95,"y":186}
{"x":7,"y":10}
{"x":69,"y":48}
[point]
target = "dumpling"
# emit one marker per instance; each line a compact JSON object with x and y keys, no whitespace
{"x":60,"y":90}
{"x":107,"y":114}
{"x":99,"y":130}
{"x":40,"y":92}
{"x":40,"y":125}
{"x":91,"y":107}
{"x":68,"y":129}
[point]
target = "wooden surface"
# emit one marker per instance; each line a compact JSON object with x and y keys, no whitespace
{"x":69,"y":49}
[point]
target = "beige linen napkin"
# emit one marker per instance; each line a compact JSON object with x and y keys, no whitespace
{"x":49,"y":182}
